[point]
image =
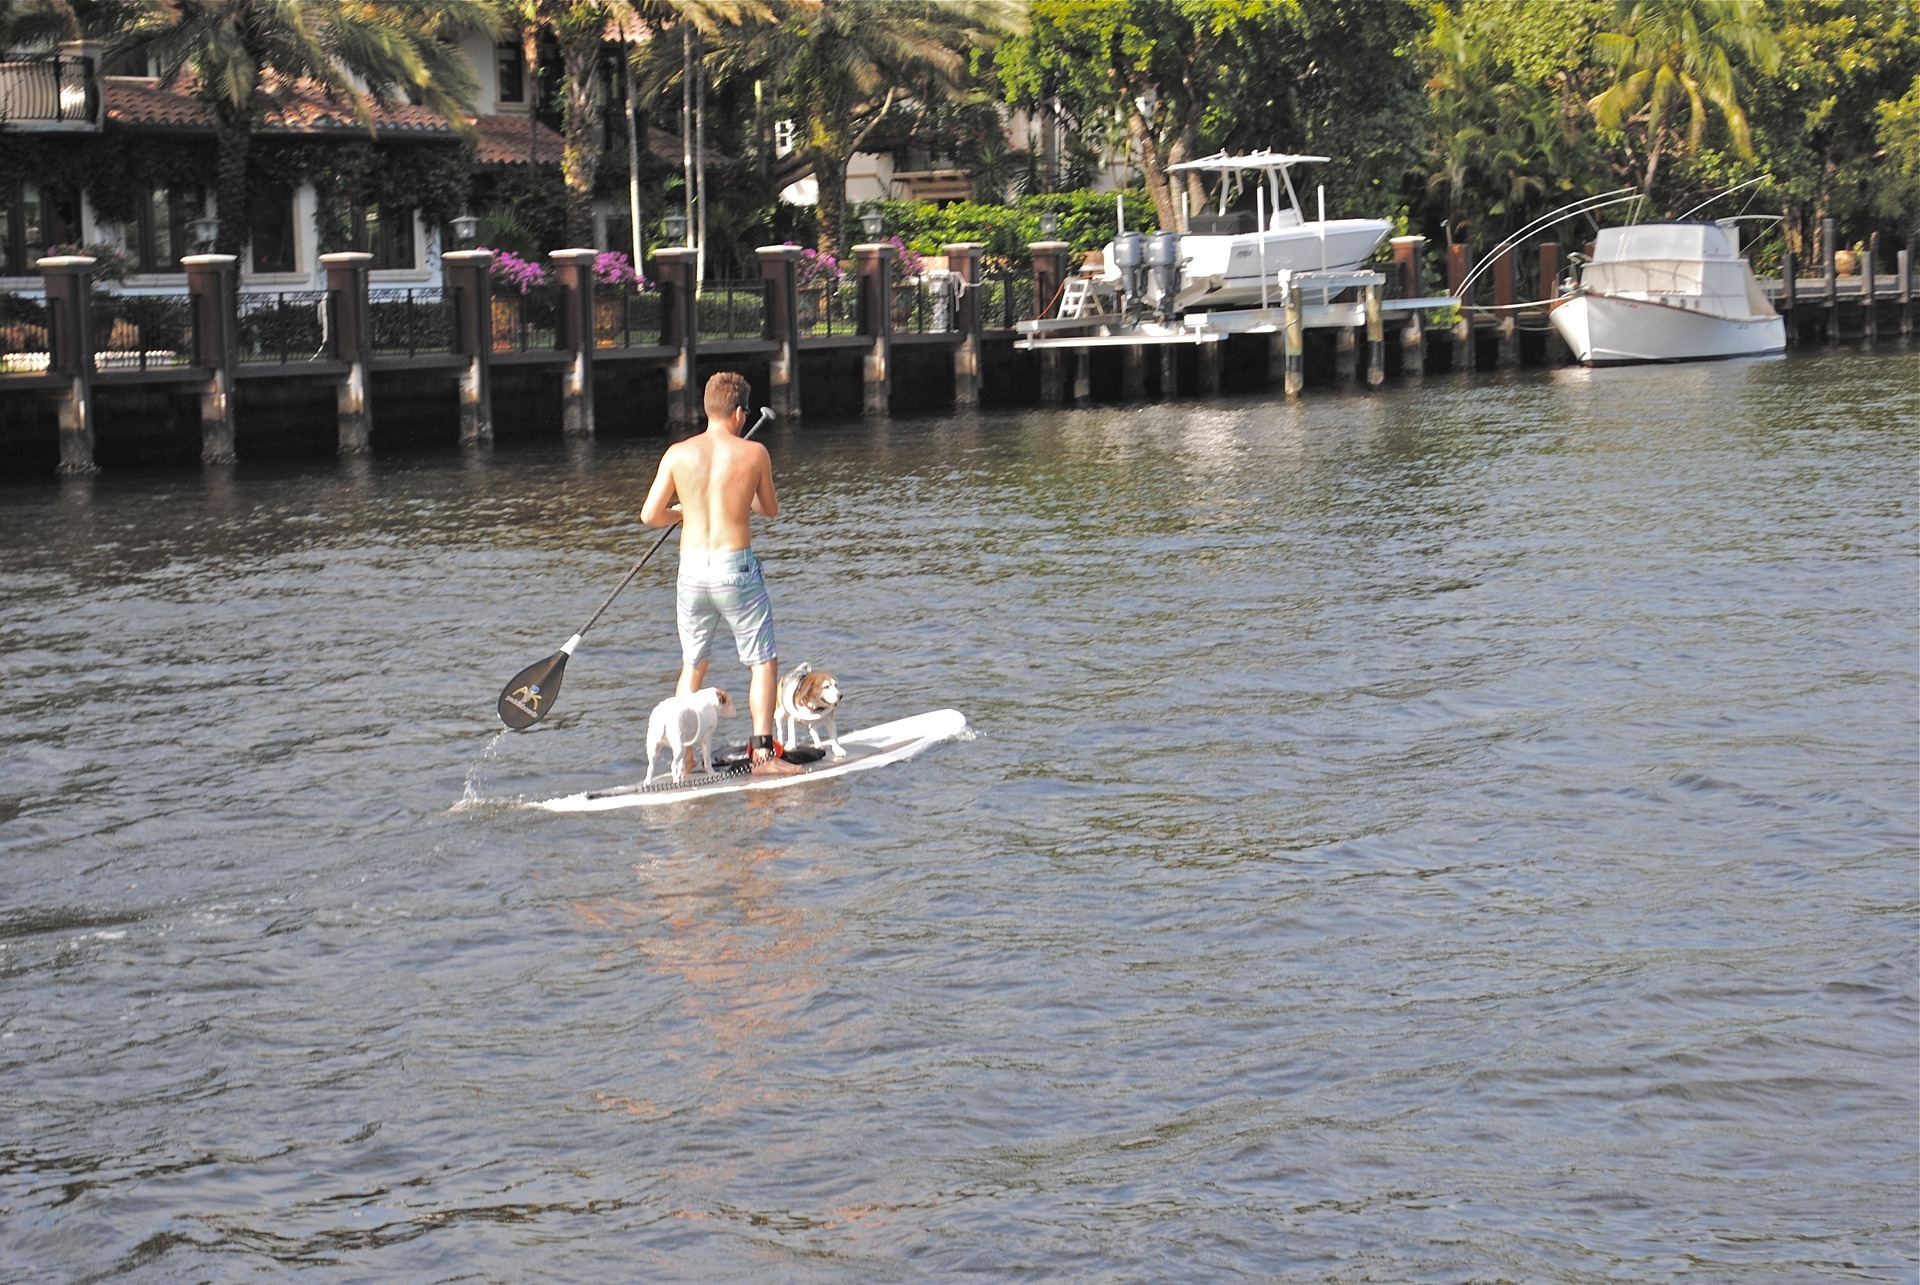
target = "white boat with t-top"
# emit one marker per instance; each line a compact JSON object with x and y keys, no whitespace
{"x":1230,"y":258}
{"x":1667,"y":292}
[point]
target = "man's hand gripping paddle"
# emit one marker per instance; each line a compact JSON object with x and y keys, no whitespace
{"x":529,"y":695}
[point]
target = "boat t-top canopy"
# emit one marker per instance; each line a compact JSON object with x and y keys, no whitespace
{"x":1272,"y":164}
{"x":1261,"y":160}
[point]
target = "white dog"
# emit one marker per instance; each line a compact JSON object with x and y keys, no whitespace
{"x":810,"y":696}
{"x":684,"y":724}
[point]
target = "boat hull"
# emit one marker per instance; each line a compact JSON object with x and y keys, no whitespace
{"x":1238,"y":271}
{"x":1610,"y":330}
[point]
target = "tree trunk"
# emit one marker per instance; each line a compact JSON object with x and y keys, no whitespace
{"x":1183,"y":149}
{"x":584,"y":108}
{"x":234,"y":142}
{"x":830,"y":172}
{"x":1155,"y":171}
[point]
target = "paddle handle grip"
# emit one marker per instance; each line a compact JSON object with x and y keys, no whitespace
{"x":766,"y":413}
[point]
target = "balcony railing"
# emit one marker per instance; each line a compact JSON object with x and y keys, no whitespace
{"x":49,"y":91}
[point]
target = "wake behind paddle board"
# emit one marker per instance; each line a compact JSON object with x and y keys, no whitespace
{"x":867,"y":748}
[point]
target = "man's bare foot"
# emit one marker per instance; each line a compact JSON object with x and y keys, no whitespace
{"x":774,"y":765}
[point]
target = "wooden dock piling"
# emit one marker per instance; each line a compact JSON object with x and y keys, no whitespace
{"x":1459,"y":267}
{"x":1790,"y":296}
{"x":1296,"y":343}
{"x":1407,"y":262}
{"x":1869,"y":322}
{"x":1828,"y":251}
{"x":1903,"y":269}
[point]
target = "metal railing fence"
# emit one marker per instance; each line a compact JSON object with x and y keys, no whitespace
{"x":285,"y":327}
{"x":829,"y":307}
{"x":733,"y":310}
{"x":138,"y":332}
{"x":25,"y":347}
{"x":410,"y":322}
{"x":627,"y":318}
{"x":527,"y":322}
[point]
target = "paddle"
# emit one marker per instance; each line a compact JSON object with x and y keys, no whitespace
{"x":530,"y":694}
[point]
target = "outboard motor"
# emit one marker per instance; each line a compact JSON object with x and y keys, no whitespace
{"x":1163,"y":264}
{"x":1127,"y":257}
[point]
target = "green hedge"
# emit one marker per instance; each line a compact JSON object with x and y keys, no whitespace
{"x":1087,"y":222}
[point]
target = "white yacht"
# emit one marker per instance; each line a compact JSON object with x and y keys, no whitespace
{"x":1667,"y":292}
{"x":1229,"y":259}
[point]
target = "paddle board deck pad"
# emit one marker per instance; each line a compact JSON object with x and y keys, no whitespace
{"x":868,"y":748}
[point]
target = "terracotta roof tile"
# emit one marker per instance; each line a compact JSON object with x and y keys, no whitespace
{"x":510,"y":140}
{"x":300,"y":108}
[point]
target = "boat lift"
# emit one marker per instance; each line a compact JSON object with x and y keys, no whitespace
{"x":1314,"y":291}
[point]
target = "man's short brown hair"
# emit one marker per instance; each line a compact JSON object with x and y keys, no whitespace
{"x":727,"y":392}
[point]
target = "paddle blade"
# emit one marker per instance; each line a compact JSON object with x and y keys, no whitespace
{"x":530,"y":693}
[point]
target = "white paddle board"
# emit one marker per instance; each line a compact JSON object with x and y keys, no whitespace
{"x":867,"y":748}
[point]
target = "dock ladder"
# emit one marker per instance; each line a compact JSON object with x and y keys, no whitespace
{"x":1073,"y":302}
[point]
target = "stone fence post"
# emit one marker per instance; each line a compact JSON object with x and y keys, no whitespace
{"x":574,"y":270}
{"x":69,"y":284}
{"x":675,"y":268}
{"x":780,"y":269}
{"x":1049,"y":280}
{"x":352,"y":316}
{"x":213,"y":294}
{"x":874,"y":261}
{"x":469,"y":278}
{"x":963,"y":260}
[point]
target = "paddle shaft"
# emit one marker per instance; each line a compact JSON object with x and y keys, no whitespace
{"x":766,"y":413}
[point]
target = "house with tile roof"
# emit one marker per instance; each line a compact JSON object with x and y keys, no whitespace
{"x":97,"y":159}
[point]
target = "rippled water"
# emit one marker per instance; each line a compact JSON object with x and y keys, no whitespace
{"x":1457,"y":833}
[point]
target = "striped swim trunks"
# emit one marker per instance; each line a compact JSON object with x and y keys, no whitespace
{"x":715,"y":587}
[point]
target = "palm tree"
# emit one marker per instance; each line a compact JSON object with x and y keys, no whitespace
{"x":582,"y":29}
{"x":839,"y":66}
{"x":1674,"y":58}
{"x":1502,"y":143}
{"x":237,"y":51}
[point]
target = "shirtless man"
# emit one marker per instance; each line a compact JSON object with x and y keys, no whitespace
{"x":720,"y":480}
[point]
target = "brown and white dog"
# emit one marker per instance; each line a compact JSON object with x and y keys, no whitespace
{"x":810,"y":696}
{"x":684,"y":724}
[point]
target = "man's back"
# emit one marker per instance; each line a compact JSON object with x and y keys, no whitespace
{"x":721,"y":481}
